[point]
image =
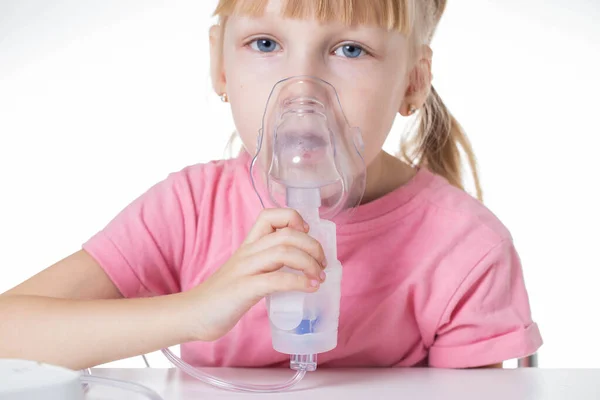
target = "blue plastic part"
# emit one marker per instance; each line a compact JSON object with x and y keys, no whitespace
{"x":306,"y":326}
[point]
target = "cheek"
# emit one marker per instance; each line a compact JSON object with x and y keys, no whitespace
{"x":248,"y":100}
{"x":249,"y":85}
{"x":373,"y":109}
{"x":247,"y":116}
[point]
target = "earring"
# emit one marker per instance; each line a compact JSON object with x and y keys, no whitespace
{"x":411,"y":109}
{"x":224,"y":98}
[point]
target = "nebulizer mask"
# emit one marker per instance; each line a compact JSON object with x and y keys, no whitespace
{"x":307,"y":158}
{"x":310,"y":158}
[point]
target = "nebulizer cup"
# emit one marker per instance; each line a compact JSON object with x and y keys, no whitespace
{"x":309,"y":158}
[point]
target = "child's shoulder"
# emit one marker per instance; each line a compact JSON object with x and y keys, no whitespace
{"x":196,"y":186}
{"x":457,"y":206}
{"x":214,"y":174}
{"x":213,"y":169}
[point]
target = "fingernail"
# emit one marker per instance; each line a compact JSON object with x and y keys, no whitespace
{"x":306,"y":227}
{"x":324,"y":263}
{"x":314,"y":283}
{"x":323,"y":275}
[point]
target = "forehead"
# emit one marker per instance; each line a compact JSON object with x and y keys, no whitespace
{"x":388,"y":14}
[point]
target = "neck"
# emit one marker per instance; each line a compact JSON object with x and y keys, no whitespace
{"x":384,"y":175}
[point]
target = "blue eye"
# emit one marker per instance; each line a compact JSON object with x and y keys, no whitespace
{"x":264,"y":45}
{"x":350,"y":51}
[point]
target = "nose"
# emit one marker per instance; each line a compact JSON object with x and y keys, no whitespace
{"x":309,"y":59}
{"x":304,"y":92}
{"x":312,"y":76}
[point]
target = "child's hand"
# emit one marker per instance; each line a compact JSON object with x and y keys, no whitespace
{"x":279,"y":238}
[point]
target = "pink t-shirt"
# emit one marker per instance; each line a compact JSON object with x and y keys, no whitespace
{"x":431,"y":277}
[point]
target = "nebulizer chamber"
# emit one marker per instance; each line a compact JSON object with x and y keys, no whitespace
{"x":310,"y":159}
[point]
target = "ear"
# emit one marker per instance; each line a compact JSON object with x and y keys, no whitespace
{"x":419,"y":82}
{"x":217,"y":71}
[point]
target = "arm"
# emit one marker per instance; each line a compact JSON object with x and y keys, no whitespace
{"x":71,"y":314}
{"x":488,"y":319}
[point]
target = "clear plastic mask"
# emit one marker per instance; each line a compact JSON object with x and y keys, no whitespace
{"x":306,"y":143}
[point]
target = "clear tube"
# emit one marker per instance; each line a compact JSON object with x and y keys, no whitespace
{"x":117,"y":383}
{"x":239,"y":387}
{"x":301,"y":364}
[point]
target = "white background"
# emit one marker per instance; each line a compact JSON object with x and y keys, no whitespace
{"x":101,"y":99}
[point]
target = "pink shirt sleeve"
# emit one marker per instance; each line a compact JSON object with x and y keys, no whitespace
{"x":488,"y":319}
{"x":143,"y":248}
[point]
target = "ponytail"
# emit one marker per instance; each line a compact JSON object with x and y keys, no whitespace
{"x":438,"y":142}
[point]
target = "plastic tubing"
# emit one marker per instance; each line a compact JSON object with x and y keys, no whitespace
{"x":239,"y":387}
{"x":87,"y":378}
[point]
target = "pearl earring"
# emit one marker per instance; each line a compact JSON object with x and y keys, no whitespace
{"x":411,"y":109}
{"x":224,"y":98}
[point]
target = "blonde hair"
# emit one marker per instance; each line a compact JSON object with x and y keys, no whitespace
{"x":437,"y":139}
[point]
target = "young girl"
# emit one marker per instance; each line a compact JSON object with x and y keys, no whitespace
{"x":431,"y":277}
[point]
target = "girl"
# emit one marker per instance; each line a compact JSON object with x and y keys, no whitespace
{"x":431,"y":277}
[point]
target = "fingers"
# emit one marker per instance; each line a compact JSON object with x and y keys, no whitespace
{"x":291,"y":237}
{"x":273,"y":219}
{"x":280,"y":281}
{"x":274,"y":258}
{"x":278,"y":239}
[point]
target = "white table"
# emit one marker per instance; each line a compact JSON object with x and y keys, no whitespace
{"x":371,"y":384}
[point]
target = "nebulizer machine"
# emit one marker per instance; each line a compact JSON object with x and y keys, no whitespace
{"x":308,"y":158}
